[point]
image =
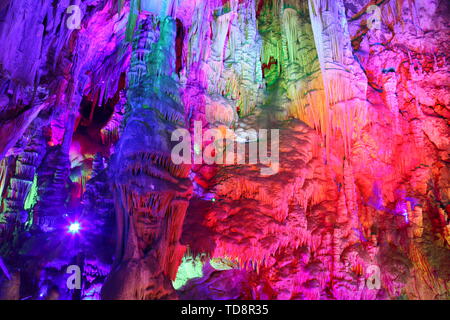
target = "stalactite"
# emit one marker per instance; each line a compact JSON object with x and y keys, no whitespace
{"x":235,"y":70}
{"x":390,"y":87}
{"x":344,"y":81}
{"x":110,"y":133}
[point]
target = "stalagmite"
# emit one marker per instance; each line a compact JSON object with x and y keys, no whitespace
{"x":150,"y":212}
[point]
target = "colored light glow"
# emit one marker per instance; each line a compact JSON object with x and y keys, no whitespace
{"x":190,"y":268}
{"x":74,"y":228}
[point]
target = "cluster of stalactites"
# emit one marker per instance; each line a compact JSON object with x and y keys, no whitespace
{"x":308,"y":63}
{"x":301,"y":71}
{"x":145,"y":37}
{"x":291,"y":66}
{"x":153,"y":51}
{"x":234,"y":61}
{"x":344,"y":81}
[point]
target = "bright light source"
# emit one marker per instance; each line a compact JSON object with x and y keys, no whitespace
{"x":405,"y":214}
{"x":74,"y":227}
